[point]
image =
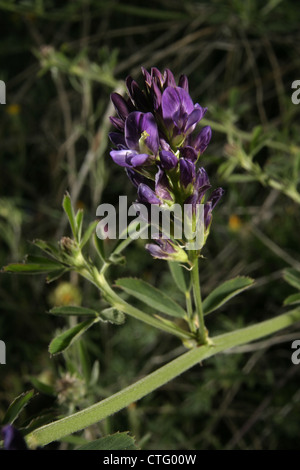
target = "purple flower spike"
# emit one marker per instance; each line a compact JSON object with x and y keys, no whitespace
{"x":155,"y":139}
{"x":12,"y":438}
{"x":145,"y":194}
{"x":168,"y":160}
{"x":187,"y":172}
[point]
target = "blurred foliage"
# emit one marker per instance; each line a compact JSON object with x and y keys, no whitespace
{"x":61,"y":60}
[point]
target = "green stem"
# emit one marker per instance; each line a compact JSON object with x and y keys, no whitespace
{"x":190,"y":314}
{"x":101,"y":410}
{"x":198,"y":299}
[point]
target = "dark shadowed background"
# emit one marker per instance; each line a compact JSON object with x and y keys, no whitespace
{"x":60,"y":62}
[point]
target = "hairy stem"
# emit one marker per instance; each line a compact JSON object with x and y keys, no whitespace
{"x":97,"y":412}
{"x":198,"y":299}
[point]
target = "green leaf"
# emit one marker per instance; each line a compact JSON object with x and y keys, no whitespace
{"x":79,"y":220}
{"x":54,"y":275}
{"x":151,"y":296}
{"x":225,"y":292}
{"x":88,"y":233}
{"x":241,"y":178}
{"x":110,"y":314}
{"x":42,"y":387}
{"x":68,"y":337}
{"x":48,"y":248}
{"x":178,"y":276}
{"x":99,"y":245}
{"x":73,"y":310}
{"x":33,"y":265}
{"x":292,"y":299}
{"x":292,"y":276}
{"x":118,"y":441}
{"x":68,"y":208}
{"x":16,"y":407}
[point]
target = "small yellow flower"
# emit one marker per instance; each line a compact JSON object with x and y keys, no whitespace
{"x":13,"y":109}
{"x":65,"y":294}
{"x":234,"y":223}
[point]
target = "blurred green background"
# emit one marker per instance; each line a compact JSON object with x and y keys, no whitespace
{"x":60,"y":62}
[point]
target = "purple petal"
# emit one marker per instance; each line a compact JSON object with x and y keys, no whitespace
{"x":192,"y":120}
{"x":145,"y":194}
{"x":201,"y":178}
{"x":139,"y":159}
{"x":156,"y":96}
{"x":12,"y":438}
{"x":133,"y":130}
{"x":202,"y":183}
{"x":176,"y":103}
{"x":187,"y":172}
{"x":156,"y":74}
{"x":117,"y":122}
{"x":122,"y":157}
{"x":193,"y":199}
{"x":183,"y":82}
{"x":117,"y":139}
{"x":203,"y":110}
{"x":162,"y":185}
{"x":149,"y":125}
{"x":147,"y":77}
{"x":156,"y":251}
{"x":207,"y":214}
{"x":215,"y":197}
{"x":138,"y":96}
{"x":164,"y":144}
{"x":135,"y":177}
{"x":189,"y":153}
{"x":202,"y":140}
{"x":135,"y":125}
{"x":168,"y":160}
{"x":120,"y":105}
{"x":211,"y":204}
{"x":169,"y":79}
{"x":128,"y":82}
